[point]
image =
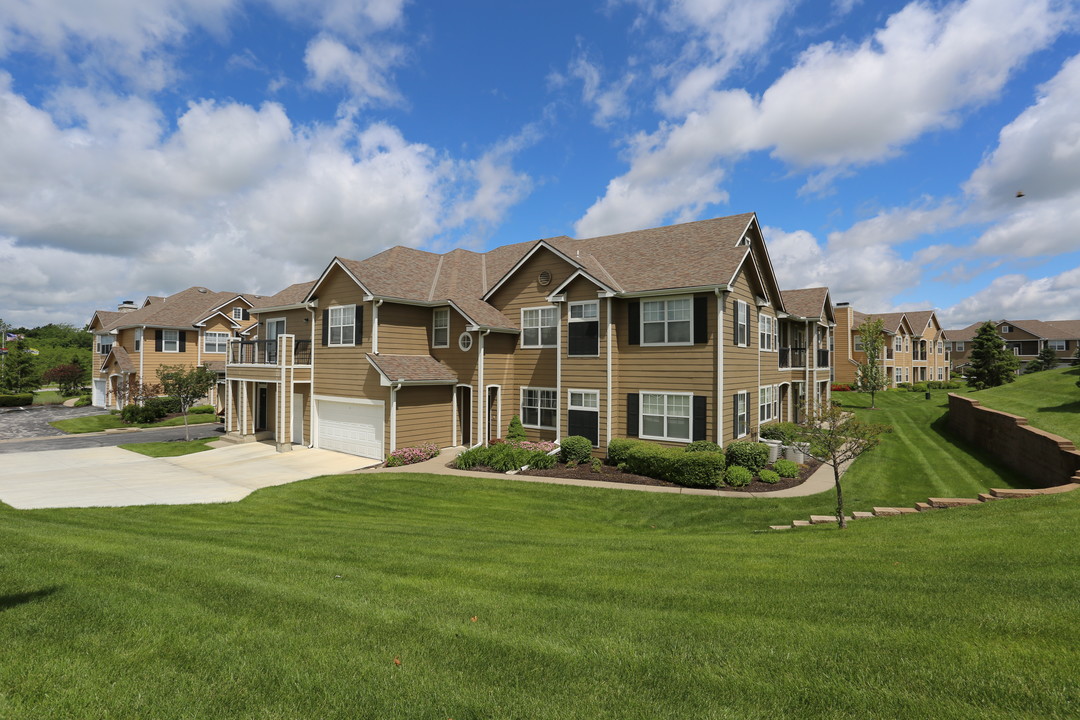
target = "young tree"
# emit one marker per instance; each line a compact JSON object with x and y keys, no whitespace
{"x":1047,"y":359}
{"x":516,"y":432}
{"x":68,"y":377}
{"x":990,"y":363}
{"x":17,"y":373}
{"x":1076,"y":356}
{"x":837,"y":437}
{"x":870,"y":375}
{"x":187,"y":385}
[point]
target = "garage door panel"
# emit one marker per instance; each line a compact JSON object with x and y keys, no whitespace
{"x":351,"y":428}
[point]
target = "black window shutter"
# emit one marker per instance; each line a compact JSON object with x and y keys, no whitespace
{"x":735,"y":316}
{"x":359,"y":319}
{"x":585,"y":423}
{"x":735,"y":415}
{"x":246,"y":315}
{"x":633,"y":319}
{"x":700,"y":417}
{"x":325,"y":327}
{"x":584,"y":338}
{"x":701,"y":320}
{"x":632,"y":415}
{"x":157,"y":340}
{"x":183,"y":340}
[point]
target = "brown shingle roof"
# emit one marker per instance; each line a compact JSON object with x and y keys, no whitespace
{"x":182,"y":309}
{"x":120,"y":356}
{"x":965,"y":334}
{"x":918,"y":319}
{"x":1066,"y":329}
{"x":1047,"y":330}
{"x":291,"y":295}
{"x":412,"y":368}
{"x":807,"y":302}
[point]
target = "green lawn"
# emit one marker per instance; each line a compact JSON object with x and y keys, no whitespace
{"x":513,"y":600}
{"x":169,"y":449}
{"x":1049,"y":400}
{"x":49,"y":397}
{"x":97,"y":423}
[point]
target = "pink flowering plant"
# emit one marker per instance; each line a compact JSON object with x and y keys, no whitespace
{"x":410,"y":455}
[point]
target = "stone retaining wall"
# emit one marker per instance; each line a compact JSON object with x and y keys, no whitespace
{"x":1044,"y":458}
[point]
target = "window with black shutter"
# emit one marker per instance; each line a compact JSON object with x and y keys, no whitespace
{"x":584,"y":329}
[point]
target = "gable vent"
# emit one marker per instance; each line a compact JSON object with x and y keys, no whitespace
{"x":544,"y":278}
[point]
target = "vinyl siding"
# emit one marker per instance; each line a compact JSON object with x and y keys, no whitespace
{"x":424,"y":414}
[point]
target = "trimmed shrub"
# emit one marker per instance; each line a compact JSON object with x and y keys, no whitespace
{"x":141,"y":414}
{"x":596,"y":465}
{"x":575,"y":448}
{"x":468,"y":459}
{"x":202,"y":410}
{"x":516,"y":431}
{"x":619,"y":448}
{"x":840,"y":387}
{"x":786,"y":432}
{"x":165,"y":405}
{"x":786,"y":468}
{"x":751,"y":455}
{"x":83,"y":401}
{"x":704,"y":446}
{"x":919,"y":387}
{"x":411,"y":455}
{"x":769,"y":476}
{"x":20,"y":400}
{"x":695,"y":469}
{"x":903,"y":386}
{"x":737,"y":476}
{"x":649,"y":459}
{"x":543,"y":461}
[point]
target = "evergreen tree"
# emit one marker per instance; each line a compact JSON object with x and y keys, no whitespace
{"x":17,"y":373}
{"x":991,"y":363}
{"x":1076,"y":356}
{"x":1047,"y":359}
{"x":870,"y":376}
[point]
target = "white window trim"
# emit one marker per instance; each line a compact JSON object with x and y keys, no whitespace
{"x":330,"y":326}
{"x":103,"y":347}
{"x":742,"y":312}
{"x":465,"y":342}
{"x":772,"y":402}
{"x":540,"y":328}
{"x":773,"y":337}
{"x":165,"y":341}
{"x":666,"y":394}
{"x":1064,"y":345}
{"x":521,"y":407}
{"x":138,"y":340}
{"x":435,"y":315}
{"x":666,"y":343}
{"x":571,"y":406}
{"x":898,"y":376}
{"x":1006,"y":328}
{"x":959,"y":346}
{"x":745,"y":396}
{"x":581,"y":303}
{"x":224,"y":344}
{"x":238,"y":313}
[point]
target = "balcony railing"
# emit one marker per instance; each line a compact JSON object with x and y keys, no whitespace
{"x":792,"y":357}
{"x":822,"y":358}
{"x":266,"y":352}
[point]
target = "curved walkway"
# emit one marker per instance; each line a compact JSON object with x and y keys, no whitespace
{"x":820,"y":481}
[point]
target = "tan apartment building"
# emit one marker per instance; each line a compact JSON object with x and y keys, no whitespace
{"x":916,"y":348}
{"x":671,"y":334}
{"x":191,"y":328}
{"x":1024,"y":338}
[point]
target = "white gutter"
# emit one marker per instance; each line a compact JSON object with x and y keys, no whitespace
{"x":481,"y":420}
{"x":558,"y":375}
{"x":607,"y":343}
{"x":393,"y":417}
{"x":721,"y":297}
{"x":375,"y":326}
{"x":311,"y":386}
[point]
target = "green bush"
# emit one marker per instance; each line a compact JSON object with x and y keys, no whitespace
{"x":166,"y":405}
{"x":737,"y":476}
{"x":704,"y":446}
{"x":503,"y":457}
{"x":919,"y":387}
{"x":695,"y":469}
{"x":786,"y":468}
{"x":751,"y":455}
{"x":19,"y":400}
{"x":83,"y":401}
{"x":516,"y":431}
{"x":543,"y":461}
{"x":903,"y":386}
{"x":138,"y":414}
{"x":575,"y":448}
{"x":619,"y":448}
{"x":786,"y":432}
{"x":596,"y":465}
{"x":201,"y":410}
{"x":468,"y":459}
{"x":769,"y":476}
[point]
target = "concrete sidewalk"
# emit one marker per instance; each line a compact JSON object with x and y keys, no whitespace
{"x":820,"y":481}
{"x":111,"y":477}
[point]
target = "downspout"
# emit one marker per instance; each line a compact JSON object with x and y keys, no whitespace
{"x":142,"y":346}
{"x":721,"y":297}
{"x":393,"y":416}
{"x":607,"y":343}
{"x":808,"y":387}
{"x":481,"y":418}
{"x":283,"y":348}
{"x":375,"y":326}
{"x":558,"y":375}
{"x":311,"y":385}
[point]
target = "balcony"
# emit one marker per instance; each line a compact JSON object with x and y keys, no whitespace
{"x":268,"y":352}
{"x":792,"y":358}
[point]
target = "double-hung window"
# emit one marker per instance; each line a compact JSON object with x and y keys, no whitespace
{"x":665,"y":416}
{"x":138,"y":340}
{"x":959,"y":346}
{"x":858,"y":343}
{"x":104,"y":344}
{"x":898,"y":344}
{"x":440,"y":328}
{"x":667,"y":322}
{"x":583,"y":329}
{"x":539,"y":327}
{"x":170,"y":341}
{"x":941,"y":373}
{"x":238,"y":313}
{"x":215,"y":342}
{"x":768,"y":403}
{"x":1058,"y":345}
{"x":742,"y":323}
{"x":766,"y":332}
{"x":538,"y":407}
{"x":899,"y":376}
{"x":342,"y":325}
{"x":742,"y":414}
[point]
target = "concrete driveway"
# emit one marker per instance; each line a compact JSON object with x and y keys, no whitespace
{"x":111,"y":477}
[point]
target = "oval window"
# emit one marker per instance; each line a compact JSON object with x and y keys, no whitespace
{"x":464,"y":342}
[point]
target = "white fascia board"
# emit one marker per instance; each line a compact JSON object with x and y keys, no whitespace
{"x":336,"y":262}
{"x":541,"y":244}
{"x":581,"y":273}
{"x":674,"y":291}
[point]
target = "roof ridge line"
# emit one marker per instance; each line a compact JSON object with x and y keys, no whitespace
{"x":435,"y":279}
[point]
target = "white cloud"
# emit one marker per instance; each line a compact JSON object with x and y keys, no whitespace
{"x":364,"y":73}
{"x":895,"y":226}
{"x":839,"y":105}
{"x":608,"y":102}
{"x":1019,"y":297}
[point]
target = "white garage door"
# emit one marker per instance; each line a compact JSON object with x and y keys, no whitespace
{"x":350,"y":428}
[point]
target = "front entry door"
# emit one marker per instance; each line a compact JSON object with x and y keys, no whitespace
{"x":493,"y":419}
{"x":464,"y":409}
{"x":260,"y":408}
{"x":273,"y":329}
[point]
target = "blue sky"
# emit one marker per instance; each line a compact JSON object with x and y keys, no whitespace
{"x":150,"y":145}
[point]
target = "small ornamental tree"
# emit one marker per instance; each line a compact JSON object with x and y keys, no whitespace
{"x":837,"y":437}
{"x":516,"y":432}
{"x":17,"y":373}
{"x":870,"y":374}
{"x":991,"y":364}
{"x":187,"y":385}
{"x":68,"y":377}
{"x":1047,"y":359}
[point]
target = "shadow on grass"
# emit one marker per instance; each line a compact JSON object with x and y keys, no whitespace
{"x":9,"y":601}
{"x":1008,"y":476}
{"x":1073,"y":407}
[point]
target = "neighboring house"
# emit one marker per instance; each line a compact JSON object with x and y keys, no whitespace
{"x":1024,"y":338}
{"x":916,"y":348}
{"x":672,"y":334}
{"x":191,"y":328}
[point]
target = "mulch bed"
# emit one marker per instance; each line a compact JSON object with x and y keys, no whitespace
{"x":610,"y":473}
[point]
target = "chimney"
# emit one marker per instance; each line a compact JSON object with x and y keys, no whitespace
{"x":126,"y":306}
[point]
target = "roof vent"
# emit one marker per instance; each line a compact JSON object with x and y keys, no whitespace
{"x":202,"y":290}
{"x":544,"y":278}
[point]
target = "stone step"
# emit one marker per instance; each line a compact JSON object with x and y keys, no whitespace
{"x":800,"y":523}
{"x":1067,"y":487}
{"x":861,"y":515}
{"x":1014,"y":492}
{"x":780,"y":527}
{"x":952,"y":502}
{"x":987,"y":497}
{"x":886,"y":511}
{"x":922,"y":507}
{"x":822,"y":519}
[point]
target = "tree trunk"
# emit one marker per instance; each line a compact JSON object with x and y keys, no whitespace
{"x":840,"y":520}
{"x":187,"y":433}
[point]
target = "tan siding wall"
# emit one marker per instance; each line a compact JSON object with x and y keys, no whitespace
{"x":404,"y":330}
{"x":585,"y":373}
{"x":424,"y":414}
{"x":740,"y":364}
{"x":344,"y":371}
